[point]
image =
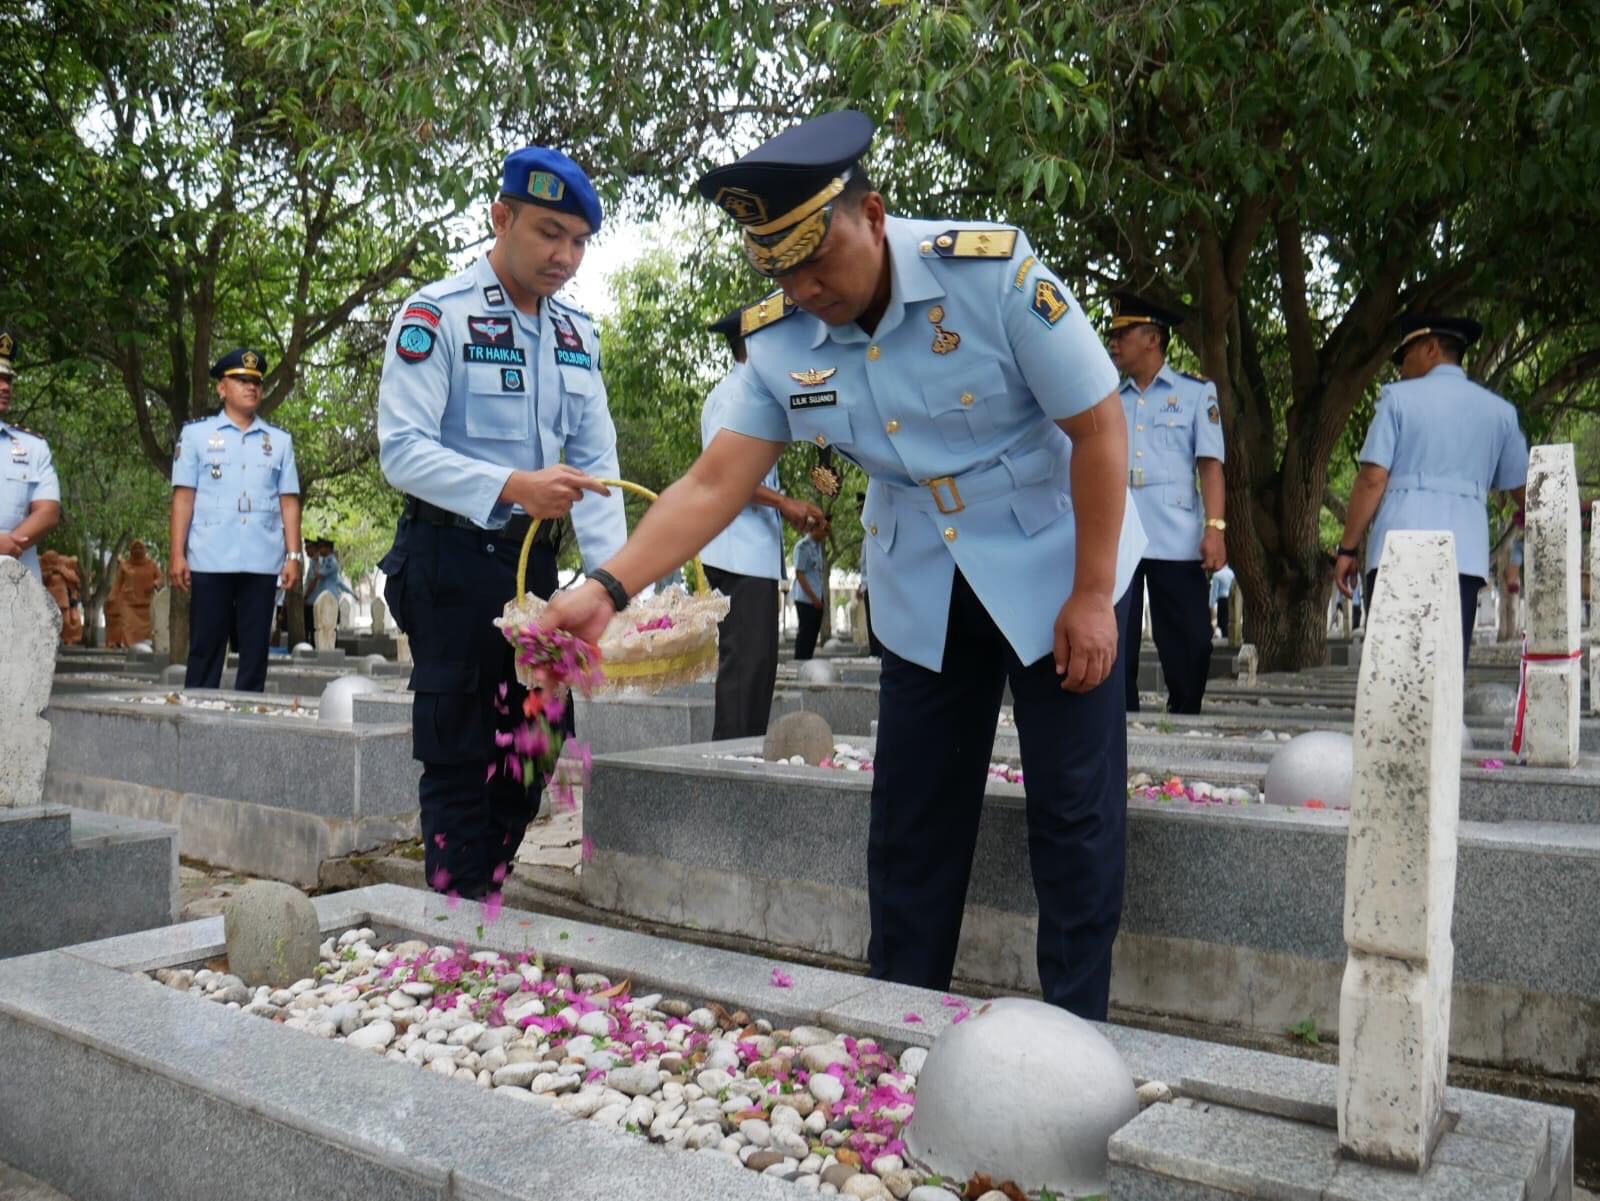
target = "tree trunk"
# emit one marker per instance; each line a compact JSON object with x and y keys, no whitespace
{"x":294,"y":614}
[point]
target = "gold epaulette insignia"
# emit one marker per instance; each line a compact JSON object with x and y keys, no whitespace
{"x":972,"y":244}
{"x":764,"y":312}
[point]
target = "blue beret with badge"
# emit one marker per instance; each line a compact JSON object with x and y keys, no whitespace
{"x":1464,"y":330}
{"x":539,"y":175}
{"x":242,"y":363}
{"x":783,"y":191}
{"x":8,"y":353}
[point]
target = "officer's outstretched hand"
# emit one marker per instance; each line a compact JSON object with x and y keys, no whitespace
{"x":1086,"y":641}
{"x":582,"y":611}
{"x":178,"y":572}
{"x":550,"y":492}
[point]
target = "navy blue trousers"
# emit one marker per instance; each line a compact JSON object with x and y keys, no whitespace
{"x":229,"y":606}
{"x":935,"y":738}
{"x":1180,"y":619}
{"x":446,"y":585}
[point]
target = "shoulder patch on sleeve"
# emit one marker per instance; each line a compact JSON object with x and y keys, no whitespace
{"x":983,"y":243}
{"x":764,"y":312}
{"x":414,"y":343}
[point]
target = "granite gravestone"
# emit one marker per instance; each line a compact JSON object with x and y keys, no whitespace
{"x":32,"y":625}
{"x":326,"y":614}
{"x":1552,"y":684}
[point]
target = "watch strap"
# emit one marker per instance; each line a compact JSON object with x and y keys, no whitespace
{"x":1348,"y":552}
{"x":613,"y":586}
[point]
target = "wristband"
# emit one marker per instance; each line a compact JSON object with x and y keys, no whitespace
{"x":1347,"y":552}
{"x":613,"y":586}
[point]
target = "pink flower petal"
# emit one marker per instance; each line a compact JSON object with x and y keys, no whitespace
{"x":586,"y":849}
{"x":912,"y":1017}
{"x":438,"y":841}
{"x":491,"y":906}
{"x":781,"y":979}
{"x":440,"y":880}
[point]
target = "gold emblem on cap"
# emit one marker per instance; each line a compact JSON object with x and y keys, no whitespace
{"x":250,"y":360}
{"x":812,"y":376}
{"x":743,"y":205}
{"x":6,"y":344}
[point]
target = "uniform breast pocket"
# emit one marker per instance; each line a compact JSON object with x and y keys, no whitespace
{"x":963,"y":403}
{"x":14,"y":488}
{"x":497,"y":403}
{"x":827,"y":425}
{"x":577,"y":393}
{"x":1173,"y":431}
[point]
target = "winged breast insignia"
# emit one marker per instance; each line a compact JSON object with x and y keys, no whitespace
{"x":813,"y":376}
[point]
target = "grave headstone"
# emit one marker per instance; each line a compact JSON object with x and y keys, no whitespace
{"x":380,"y":616}
{"x":1552,"y":675}
{"x":326,"y":613}
{"x":1400,"y":865}
{"x":1594,"y":608}
{"x":402,"y":648}
{"x":272,"y":934}
{"x":802,"y":733}
{"x":1245,"y":664}
{"x":161,"y":620}
{"x":32,"y":625}
{"x":1236,"y":618}
{"x":347,"y":614}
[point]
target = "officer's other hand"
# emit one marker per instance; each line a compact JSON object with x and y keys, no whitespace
{"x":291,"y":574}
{"x":178,"y":572}
{"x":1345,"y":571}
{"x":1213,"y":550}
{"x":1086,"y":641}
{"x":582,"y":611}
{"x":11,"y":545}
{"x":552,"y":491}
{"x":802,"y":515}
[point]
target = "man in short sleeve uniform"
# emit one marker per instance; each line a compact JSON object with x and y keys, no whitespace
{"x":1174,"y":436}
{"x":30,"y":493}
{"x":491,"y":412}
{"x":1437,"y":446}
{"x":235,"y":526}
{"x":948,"y":363}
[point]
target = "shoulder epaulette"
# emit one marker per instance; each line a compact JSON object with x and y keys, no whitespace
{"x":984,"y":242}
{"x":572,"y":308}
{"x":1199,"y":379}
{"x":764,"y":312}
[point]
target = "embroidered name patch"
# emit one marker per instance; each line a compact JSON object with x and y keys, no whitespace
{"x":421,"y":310}
{"x":573,"y":358}
{"x":570,"y":350}
{"x":472,"y":352}
{"x":414,"y":343}
{"x":1021,"y":276}
{"x":494,"y":294}
{"x":510,"y":379}
{"x":490,"y":331}
{"x":1048,"y":304}
{"x":812,"y":400}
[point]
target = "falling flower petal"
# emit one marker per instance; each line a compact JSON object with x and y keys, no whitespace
{"x":438,"y":841}
{"x":586,"y":849}
{"x":440,"y":880}
{"x":491,"y":906}
{"x":913,"y":1018}
{"x":781,"y":979}
{"x":1492,"y":764}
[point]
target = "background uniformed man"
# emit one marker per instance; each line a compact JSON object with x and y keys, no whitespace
{"x":30,"y":493}
{"x":1174,"y":433}
{"x":1437,"y":446}
{"x":946,"y":361}
{"x":491,"y":412}
{"x":745,"y":563}
{"x":809,"y":594}
{"x":235,"y":526}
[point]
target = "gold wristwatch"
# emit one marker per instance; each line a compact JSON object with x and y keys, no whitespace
{"x":1216,"y":523}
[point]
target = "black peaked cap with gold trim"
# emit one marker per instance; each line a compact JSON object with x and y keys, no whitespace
{"x":8,"y":353}
{"x":240,"y":364}
{"x":1422,"y":325}
{"x":1129,"y":309}
{"x":782,"y":192}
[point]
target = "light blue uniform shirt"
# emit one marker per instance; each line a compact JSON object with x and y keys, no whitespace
{"x":1446,"y":443}
{"x":237,"y":476}
{"x":474,"y":389}
{"x":753,"y":542}
{"x":807,"y":566}
{"x":27,"y":474}
{"x":979,"y":416}
{"x":329,"y":579}
{"x":1170,"y":425}
{"x":1221,"y":584}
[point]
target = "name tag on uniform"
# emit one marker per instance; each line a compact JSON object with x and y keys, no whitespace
{"x":812,"y":400}
{"x":500,"y":356}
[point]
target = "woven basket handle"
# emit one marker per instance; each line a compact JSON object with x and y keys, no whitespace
{"x":697,"y":572}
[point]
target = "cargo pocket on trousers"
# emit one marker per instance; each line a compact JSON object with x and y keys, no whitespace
{"x":450,"y":720}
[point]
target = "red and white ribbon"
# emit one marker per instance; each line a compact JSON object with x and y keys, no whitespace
{"x":1522,"y":685}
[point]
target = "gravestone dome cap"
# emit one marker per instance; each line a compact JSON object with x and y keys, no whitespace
{"x":784,"y":190}
{"x":242,"y":363}
{"x":1464,"y":330}
{"x":1129,"y":309}
{"x":546,"y":177}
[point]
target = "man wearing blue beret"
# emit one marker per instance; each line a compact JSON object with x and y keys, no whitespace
{"x":491,"y":413}
{"x":960,"y":374}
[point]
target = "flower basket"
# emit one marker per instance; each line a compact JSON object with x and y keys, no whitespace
{"x":656,"y":643}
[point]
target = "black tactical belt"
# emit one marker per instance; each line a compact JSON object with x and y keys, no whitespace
{"x":517,"y":528}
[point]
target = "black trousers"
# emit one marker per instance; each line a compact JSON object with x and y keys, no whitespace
{"x":805,"y":637}
{"x":1223,"y":614}
{"x":874,"y":647}
{"x":1180,"y":618}
{"x":747,"y":654}
{"x":935,"y":737}
{"x":446,"y":585}
{"x":1470,"y":586}
{"x":224,"y":606}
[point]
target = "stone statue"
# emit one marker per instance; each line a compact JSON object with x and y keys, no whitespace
{"x":326,"y":612}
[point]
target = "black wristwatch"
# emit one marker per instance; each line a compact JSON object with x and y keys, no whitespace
{"x":1347,"y":552}
{"x":613,"y":586}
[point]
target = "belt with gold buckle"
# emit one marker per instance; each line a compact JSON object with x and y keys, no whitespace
{"x":937,"y":486}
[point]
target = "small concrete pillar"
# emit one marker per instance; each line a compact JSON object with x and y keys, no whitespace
{"x":1400,"y":865}
{"x":1245,"y":664}
{"x":1552,"y":550}
{"x":161,"y":622}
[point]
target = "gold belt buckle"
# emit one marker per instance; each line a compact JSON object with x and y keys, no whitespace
{"x":946,"y":481}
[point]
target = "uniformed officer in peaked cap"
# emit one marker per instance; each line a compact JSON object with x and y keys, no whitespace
{"x":235,"y":526}
{"x":1437,"y":446}
{"x":1174,"y":432}
{"x":30,"y":493}
{"x":947,"y":362}
{"x":745,"y":563}
{"x":491,"y":412}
